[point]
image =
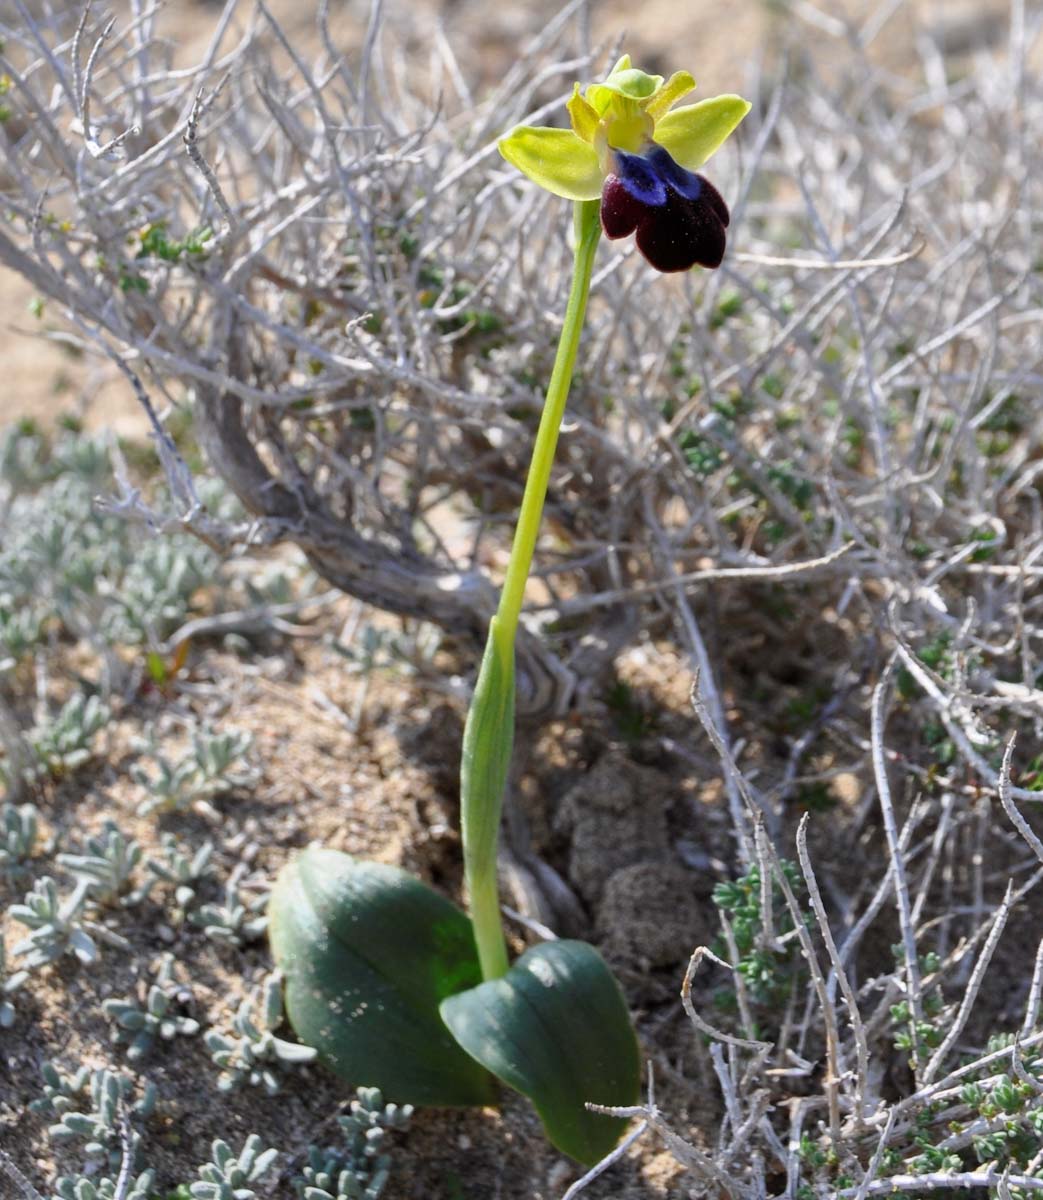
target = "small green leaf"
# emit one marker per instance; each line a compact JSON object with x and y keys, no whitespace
{"x":368,"y":952}
{"x":556,"y":1029}
{"x":157,"y":668}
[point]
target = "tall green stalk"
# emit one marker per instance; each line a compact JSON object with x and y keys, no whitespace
{"x":489,"y":732}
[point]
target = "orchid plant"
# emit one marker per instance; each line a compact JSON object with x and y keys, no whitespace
{"x":395,"y":986}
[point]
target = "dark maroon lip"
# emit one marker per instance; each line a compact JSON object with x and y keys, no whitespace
{"x":679,"y":217}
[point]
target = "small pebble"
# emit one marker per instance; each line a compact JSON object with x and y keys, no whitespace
{"x":560,"y":1174}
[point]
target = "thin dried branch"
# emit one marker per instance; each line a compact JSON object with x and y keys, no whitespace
{"x":827,"y":1012}
{"x":202,"y":104}
{"x":1006,"y":799}
{"x":9,"y":1168}
{"x":858,"y":1032}
{"x":701,"y":952}
{"x":972,"y":989}
{"x":609,"y":1160}
{"x":933,"y":1182}
{"x":911,"y":961}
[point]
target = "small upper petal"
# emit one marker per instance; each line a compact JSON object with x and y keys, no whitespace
{"x":556,"y":159}
{"x":584,"y":116}
{"x":692,"y":133}
{"x":679,"y":84}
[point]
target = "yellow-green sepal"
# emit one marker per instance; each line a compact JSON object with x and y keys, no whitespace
{"x":692,"y":133}
{"x":556,"y":159}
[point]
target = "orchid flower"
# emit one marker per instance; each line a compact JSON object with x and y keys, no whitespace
{"x":632,"y":149}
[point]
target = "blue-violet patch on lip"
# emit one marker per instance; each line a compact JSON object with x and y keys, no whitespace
{"x":680,"y":217}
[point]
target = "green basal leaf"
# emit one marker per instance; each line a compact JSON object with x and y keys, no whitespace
{"x":556,"y":1028}
{"x":368,"y":953}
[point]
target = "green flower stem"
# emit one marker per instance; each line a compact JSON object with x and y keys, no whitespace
{"x":588,"y":232}
{"x":489,"y":732}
